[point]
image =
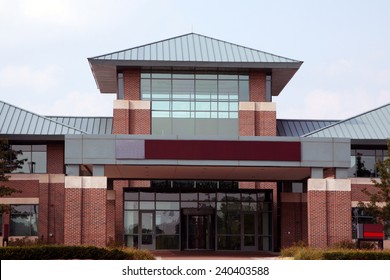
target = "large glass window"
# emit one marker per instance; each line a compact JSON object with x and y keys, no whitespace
{"x":24,"y":220}
{"x":194,"y":104}
{"x":230,"y":217}
{"x":363,"y":162}
{"x":36,"y":156}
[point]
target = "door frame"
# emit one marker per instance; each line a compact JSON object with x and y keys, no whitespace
{"x":255,"y":246}
{"x":153,"y":234}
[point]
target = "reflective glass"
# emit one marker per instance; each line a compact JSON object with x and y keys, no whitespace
{"x":24,"y":220}
{"x":167,"y":222}
{"x":146,"y":205}
{"x":130,"y":222}
{"x":131,"y":205}
{"x":167,"y":205}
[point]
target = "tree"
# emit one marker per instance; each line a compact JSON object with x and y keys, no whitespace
{"x":8,"y":162}
{"x":379,"y":201}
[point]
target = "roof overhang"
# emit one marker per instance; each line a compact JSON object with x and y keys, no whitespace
{"x":105,"y":71}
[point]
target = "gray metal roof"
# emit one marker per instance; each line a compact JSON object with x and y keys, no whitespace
{"x":16,"y":121}
{"x":91,"y":125}
{"x":299,"y":127}
{"x":372,"y":125}
{"x":192,"y":51}
{"x":194,"y":47}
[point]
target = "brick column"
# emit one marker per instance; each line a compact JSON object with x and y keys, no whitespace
{"x":132,"y":84}
{"x":121,"y":117}
{"x":257,"y":86}
{"x":85,"y":210}
{"x":265,"y":119}
{"x":329,"y":212}
{"x":139,"y":117}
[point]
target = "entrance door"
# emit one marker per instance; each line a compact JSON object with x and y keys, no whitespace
{"x":248,"y":231}
{"x":198,"y":232}
{"x":147,"y":236}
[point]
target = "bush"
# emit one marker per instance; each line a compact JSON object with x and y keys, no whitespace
{"x":356,"y":255}
{"x":53,"y":252}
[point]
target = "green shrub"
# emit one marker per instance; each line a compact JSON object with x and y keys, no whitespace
{"x":50,"y":252}
{"x":356,"y":255}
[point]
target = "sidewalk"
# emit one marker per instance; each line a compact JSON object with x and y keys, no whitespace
{"x":212,"y":255}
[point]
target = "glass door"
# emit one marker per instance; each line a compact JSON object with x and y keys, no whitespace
{"x":147,"y":233}
{"x":248,"y":231}
{"x":198,"y":232}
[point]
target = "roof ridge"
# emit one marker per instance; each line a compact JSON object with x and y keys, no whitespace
{"x":48,"y":119}
{"x":345,"y":120}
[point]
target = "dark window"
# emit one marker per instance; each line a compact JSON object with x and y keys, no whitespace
{"x":24,"y":220}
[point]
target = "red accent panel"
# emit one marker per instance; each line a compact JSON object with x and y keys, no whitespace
{"x":373,"y":235}
{"x":222,"y":150}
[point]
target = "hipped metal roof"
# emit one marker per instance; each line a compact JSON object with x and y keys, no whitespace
{"x":193,"y":51}
{"x":296,"y":128}
{"x":371,"y":125}
{"x":16,"y":121}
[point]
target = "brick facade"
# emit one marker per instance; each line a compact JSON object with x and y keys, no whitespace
{"x":329,"y":212}
{"x":121,"y":120}
{"x":131,"y":80}
{"x":55,"y":158}
{"x":257,"y":87}
{"x":293,"y":213}
{"x":139,"y":121}
{"x":265,"y":123}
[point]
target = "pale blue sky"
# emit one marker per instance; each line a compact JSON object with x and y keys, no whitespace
{"x":345,"y":46}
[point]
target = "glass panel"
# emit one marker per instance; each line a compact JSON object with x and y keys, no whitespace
{"x":131,"y":195}
{"x":146,"y":205}
{"x":131,"y":205}
{"x":265,"y":244}
{"x":167,"y":222}
{"x":189,"y":204}
{"x":229,"y":242}
{"x":146,"y":195}
{"x":167,"y":205}
{"x":161,"y":75}
{"x":228,"y":222}
{"x":167,"y":196}
{"x":132,"y":241}
{"x":24,"y":220}
{"x":206,"y":76}
{"x":227,"y":77}
{"x":244,"y":90}
{"x":249,"y":197}
{"x":249,"y":223}
{"x":167,"y":242}
{"x":265,"y":223}
{"x":40,"y":160}
{"x":130,"y":222}
{"x":160,"y":105}
{"x":249,"y":240}
{"x":39,"y":148}
{"x":147,"y":228}
{"x":207,"y":196}
{"x":189,"y":196}
{"x":198,"y":232}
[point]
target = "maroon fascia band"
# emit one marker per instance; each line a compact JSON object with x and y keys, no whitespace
{"x":222,"y":150}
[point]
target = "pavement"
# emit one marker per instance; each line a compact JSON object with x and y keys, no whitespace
{"x":213,"y":255}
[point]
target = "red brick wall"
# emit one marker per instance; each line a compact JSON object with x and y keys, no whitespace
{"x":131,"y":79}
{"x":72,"y":219}
{"x":94,"y":217}
{"x":358,"y":195}
{"x":246,"y":121}
{"x":293,"y":223}
{"x":329,"y":217}
{"x":317,"y":218}
{"x":110,"y":219}
{"x":121,"y":121}
{"x":55,"y":158}
{"x":339,"y":217}
{"x":28,"y":188}
{"x":139,"y":121}
{"x":118,"y":187}
{"x":257,"y":87}
{"x":265,"y":123}
{"x":85,"y":216}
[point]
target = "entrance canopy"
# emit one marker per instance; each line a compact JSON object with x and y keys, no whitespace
{"x":237,"y":158}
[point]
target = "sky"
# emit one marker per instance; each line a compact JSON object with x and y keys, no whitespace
{"x":345,"y":46}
